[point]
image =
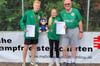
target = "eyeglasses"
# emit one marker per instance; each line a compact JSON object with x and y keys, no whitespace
{"x":67,"y":4}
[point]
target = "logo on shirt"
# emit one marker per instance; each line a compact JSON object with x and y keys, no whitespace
{"x":64,"y":14}
{"x":72,"y":14}
{"x":31,"y":16}
{"x":69,"y":21}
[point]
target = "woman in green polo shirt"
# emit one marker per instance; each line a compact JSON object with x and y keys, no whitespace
{"x":31,"y":17}
{"x":53,"y":37}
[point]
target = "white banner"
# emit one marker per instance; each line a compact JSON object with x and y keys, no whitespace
{"x":11,"y":46}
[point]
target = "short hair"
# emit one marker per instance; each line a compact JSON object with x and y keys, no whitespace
{"x":36,"y":2}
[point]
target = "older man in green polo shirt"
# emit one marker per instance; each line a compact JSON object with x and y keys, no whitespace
{"x":31,"y":17}
{"x":74,"y":30}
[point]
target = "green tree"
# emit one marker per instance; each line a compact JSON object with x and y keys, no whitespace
{"x":94,"y":22}
{"x":10,"y":12}
{"x":2,"y":13}
{"x":59,"y":6}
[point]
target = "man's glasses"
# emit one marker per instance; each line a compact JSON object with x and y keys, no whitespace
{"x":67,"y":4}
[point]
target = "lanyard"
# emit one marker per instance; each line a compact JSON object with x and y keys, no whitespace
{"x":36,"y":18}
{"x":52,"y":24}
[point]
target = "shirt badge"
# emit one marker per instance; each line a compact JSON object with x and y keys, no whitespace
{"x":72,"y":14}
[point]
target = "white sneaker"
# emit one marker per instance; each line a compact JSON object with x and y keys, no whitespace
{"x":51,"y":64}
{"x":56,"y":59}
{"x":33,"y":64}
{"x":57,"y":64}
{"x":23,"y":64}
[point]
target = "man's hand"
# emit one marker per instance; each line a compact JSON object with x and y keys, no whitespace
{"x":80,"y":35}
{"x":25,"y":30}
{"x":65,"y":27}
{"x":81,"y":30}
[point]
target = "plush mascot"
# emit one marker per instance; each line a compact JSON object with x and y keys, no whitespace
{"x":43,"y":25}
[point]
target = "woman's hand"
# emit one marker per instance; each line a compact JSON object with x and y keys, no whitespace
{"x":65,"y":27}
{"x":25,"y":30}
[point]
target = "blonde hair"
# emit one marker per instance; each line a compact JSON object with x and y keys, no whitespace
{"x":50,"y":19}
{"x":36,"y":2}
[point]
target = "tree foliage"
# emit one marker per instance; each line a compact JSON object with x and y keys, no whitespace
{"x":11,"y":11}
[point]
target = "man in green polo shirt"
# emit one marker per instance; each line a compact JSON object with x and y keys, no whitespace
{"x":74,"y":30}
{"x":31,"y":17}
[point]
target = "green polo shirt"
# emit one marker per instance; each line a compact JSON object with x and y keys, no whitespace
{"x":52,"y":35}
{"x":29,"y":19}
{"x":71,"y":19}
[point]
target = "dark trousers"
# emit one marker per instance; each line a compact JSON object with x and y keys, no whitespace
{"x":51,"y":43}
